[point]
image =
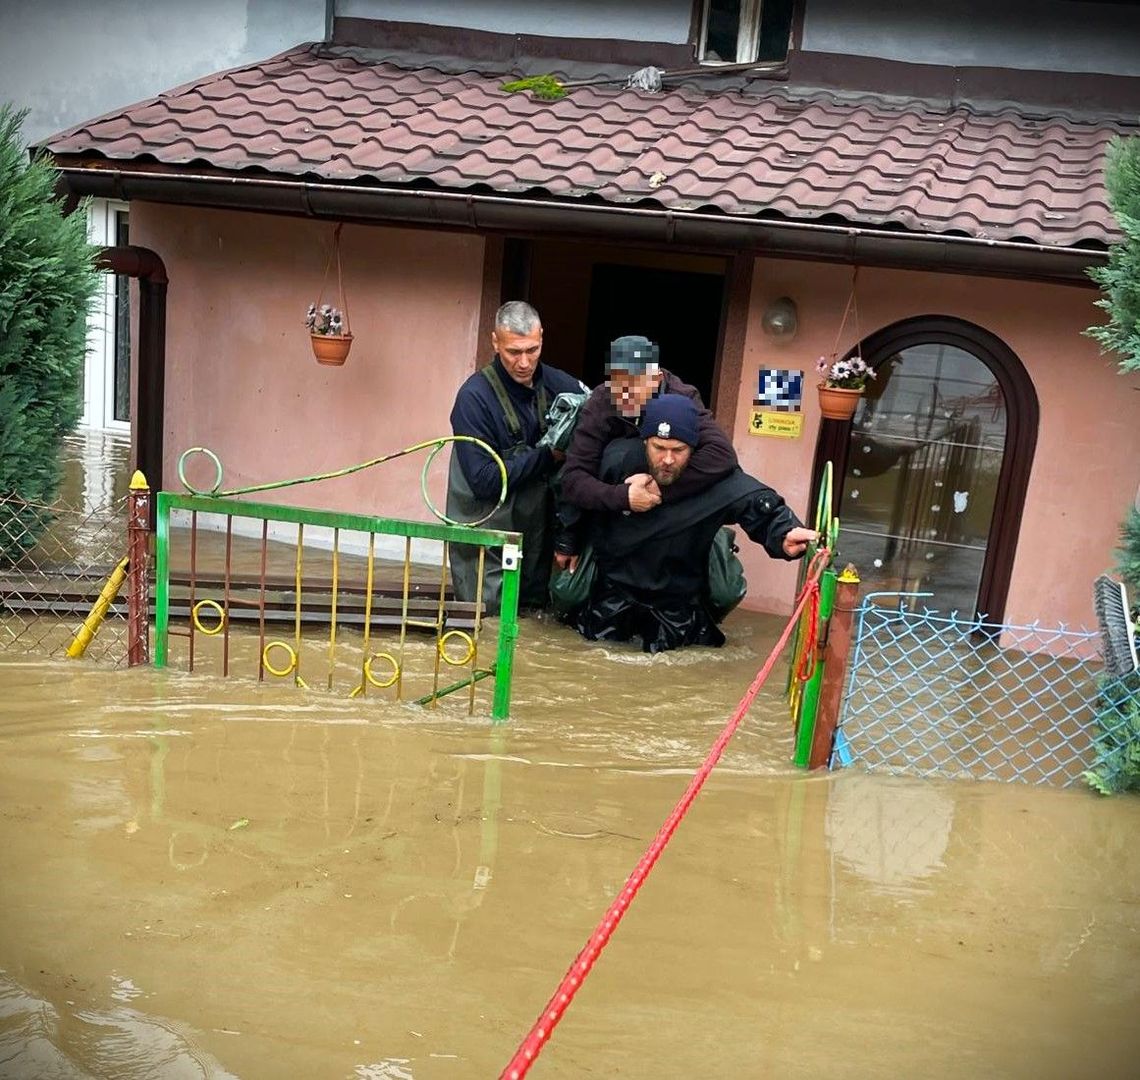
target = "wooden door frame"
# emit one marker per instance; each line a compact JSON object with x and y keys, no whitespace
{"x":1022,"y":417}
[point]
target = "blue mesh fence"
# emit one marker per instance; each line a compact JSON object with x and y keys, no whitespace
{"x":936,"y":695}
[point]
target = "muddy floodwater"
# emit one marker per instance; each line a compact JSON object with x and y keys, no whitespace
{"x":203,"y":877}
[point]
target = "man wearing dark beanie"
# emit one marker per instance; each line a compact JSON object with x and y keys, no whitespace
{"x":652,"y":568}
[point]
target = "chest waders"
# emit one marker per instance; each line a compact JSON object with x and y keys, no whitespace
{"x":526,"y":509}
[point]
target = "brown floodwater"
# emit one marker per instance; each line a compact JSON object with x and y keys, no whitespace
{"x":207,"y":877}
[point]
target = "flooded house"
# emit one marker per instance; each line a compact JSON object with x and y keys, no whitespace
{"x":235,"y":876}
{"x":777,"y":183}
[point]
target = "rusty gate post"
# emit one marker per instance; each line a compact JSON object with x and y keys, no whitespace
{"x":138,"y":551}
{"x":835,"y":667}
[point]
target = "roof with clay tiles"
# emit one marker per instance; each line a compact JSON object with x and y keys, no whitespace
{"x":762,"y":149}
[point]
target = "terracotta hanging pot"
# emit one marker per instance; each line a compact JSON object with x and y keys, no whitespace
{"x":331,"y":349}
{"x":836,"y":403}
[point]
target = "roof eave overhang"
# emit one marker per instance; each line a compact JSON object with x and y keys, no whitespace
{"x":527,"y":215}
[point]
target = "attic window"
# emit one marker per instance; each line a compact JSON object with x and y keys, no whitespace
{"x":744,"y":31}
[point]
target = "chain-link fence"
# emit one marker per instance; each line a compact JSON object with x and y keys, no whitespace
{"x":54,"y":562}
{"x":934,"y":695}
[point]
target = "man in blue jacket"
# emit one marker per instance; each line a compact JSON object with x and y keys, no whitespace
{"x":505,"y":405}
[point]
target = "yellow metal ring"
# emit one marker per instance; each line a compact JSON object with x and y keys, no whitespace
{"x":280,"y":672}
{"x":372,"y":678}
{"x":217,"y":471}
{"x":447,"y":440}
{"x":442,"y":647}
{"x":214,"y":606}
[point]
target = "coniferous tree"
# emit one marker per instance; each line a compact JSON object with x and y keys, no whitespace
{"x":47,"y":285}
{"x":1120,"y":279}
{"x":1118,"y":741}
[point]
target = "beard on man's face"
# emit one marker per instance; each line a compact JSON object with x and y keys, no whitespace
{"x":665,"y":474}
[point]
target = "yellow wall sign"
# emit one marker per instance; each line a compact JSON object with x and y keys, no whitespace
{"x":783,"y":425}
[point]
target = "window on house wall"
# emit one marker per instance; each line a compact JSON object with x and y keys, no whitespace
{"x":121,"y":406}
{"x":926,"y":451}
{"x":933,"y":469}
{"x":107,"y":370}
{"x":744,"y":31}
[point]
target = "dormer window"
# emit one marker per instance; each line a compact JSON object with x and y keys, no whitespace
{"x":744,"y":31}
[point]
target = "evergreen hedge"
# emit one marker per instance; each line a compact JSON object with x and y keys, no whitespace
{"x":1118,"y":739}
{"x":47,"y":285}
{"x":1120,"y":278}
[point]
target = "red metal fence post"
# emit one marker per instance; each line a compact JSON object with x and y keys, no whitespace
{"x":138,"y":550}
{"x":835,"y":667}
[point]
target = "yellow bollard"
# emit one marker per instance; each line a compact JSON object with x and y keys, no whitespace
{"x":94,"y":620}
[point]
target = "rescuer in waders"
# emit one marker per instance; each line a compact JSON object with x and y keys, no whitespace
{"x":505,"y":405}
{"x":650,"y":572}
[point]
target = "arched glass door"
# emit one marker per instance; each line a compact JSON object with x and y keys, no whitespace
{"x":934,"y":465}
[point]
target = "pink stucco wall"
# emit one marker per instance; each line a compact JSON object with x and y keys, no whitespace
{"x":241,"y":378}
{"x":1087,"y":461}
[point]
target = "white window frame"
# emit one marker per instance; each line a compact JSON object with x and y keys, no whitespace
{"x":99,"y":364}
{"x":747,"y":34}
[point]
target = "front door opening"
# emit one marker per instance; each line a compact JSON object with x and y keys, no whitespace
{"x":587,"y":295}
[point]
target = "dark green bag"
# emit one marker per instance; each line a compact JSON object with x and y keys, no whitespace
{"x":569,"y":591}
{"x":727,"y":584}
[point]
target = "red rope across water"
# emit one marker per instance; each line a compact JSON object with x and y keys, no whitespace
{"x":544,"y":1026}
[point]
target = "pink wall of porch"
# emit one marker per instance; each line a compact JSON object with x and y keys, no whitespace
{"x":1087,"y":461}
{"x":240,"y":374}
{"x":241,"y":378}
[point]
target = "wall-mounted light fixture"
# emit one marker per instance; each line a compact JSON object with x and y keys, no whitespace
{"x":780,"y":321}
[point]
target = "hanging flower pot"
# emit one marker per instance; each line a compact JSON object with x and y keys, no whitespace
{"x":331,"y":349}
{"x":843,"y":384}
{"x":329,"y":332}
{"x":843,"y":380}
{"x":836,"y":403}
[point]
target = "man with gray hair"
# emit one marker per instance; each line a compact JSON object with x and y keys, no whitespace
{"x":505,"y":405}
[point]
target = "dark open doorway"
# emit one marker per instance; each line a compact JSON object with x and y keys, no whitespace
{"x":678,"y":309}
{"x":589,"y":294}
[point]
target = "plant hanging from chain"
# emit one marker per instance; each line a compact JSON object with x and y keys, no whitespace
{"x":328,"y":326}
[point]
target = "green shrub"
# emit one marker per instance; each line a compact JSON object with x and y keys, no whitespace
{"x":1128,"y":557}
{"x":1117,"y":740}
{"x":1120,"y":278}
{"x":47,"y":284}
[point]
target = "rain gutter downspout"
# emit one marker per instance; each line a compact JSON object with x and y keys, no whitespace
{"x":448,"y":209}
{"x":144,"y":264}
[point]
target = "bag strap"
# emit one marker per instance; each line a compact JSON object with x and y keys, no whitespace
{"x":543,"y":404}
{"x":509,"y":413}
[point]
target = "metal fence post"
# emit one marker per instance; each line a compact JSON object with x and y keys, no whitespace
{"x":162,"y":578}
{"x":508,"y":631}
{"x":138,"y":551}
{"x":809,"y":704}
{"x":835,"y":667}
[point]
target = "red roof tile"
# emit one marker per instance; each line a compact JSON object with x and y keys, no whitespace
{"x":765,"y":150}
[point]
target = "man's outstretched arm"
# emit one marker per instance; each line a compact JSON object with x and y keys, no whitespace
{"x":770,"y":522}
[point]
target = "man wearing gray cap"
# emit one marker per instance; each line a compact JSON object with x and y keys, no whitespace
{"x":633,"y":378}
{"x":652,"y":570}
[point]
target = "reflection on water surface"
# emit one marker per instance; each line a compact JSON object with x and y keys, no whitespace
{"x":211,"y":879}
